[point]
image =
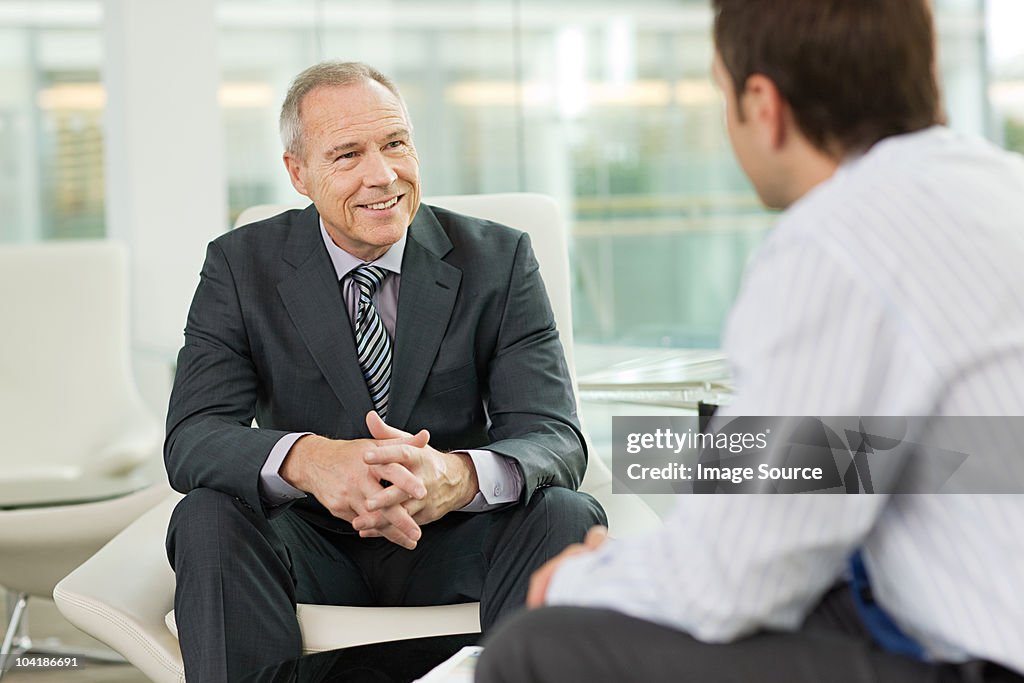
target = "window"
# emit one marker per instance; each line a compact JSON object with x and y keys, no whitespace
{"x":1005,"y":21}
{"x":606,"y":106}
{"x":51,"y":121}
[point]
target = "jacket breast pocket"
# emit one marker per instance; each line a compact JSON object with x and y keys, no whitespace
{"x":448,"y":380}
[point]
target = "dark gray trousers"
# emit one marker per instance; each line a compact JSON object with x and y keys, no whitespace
{"x":239,"y":575}
{"x":581,"y":645}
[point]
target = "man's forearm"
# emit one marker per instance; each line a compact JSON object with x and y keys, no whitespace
{"x":298,"y":464}
{"x":463,"y":477}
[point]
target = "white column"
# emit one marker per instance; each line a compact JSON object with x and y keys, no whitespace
{"x":166,"y":194}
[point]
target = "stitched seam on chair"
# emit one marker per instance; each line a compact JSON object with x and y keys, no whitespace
{"x":130,"y":631}
{"x":126,"y":628}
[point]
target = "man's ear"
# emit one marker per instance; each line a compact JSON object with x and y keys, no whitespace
{"x":763,"y":104}
{"x":294,"y":166}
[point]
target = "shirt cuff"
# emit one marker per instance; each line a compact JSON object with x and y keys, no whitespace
{"x":273,"y":489}
{"x":499,"y":477}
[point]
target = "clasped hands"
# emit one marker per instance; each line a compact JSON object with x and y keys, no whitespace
{"x":346,"y":476}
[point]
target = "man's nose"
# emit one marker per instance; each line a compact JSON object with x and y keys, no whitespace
{"x":377,"y":171}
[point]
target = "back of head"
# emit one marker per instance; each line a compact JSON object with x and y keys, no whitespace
{"x":853,"y":71}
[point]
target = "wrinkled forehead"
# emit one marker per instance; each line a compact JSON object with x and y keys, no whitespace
{"x":359,"y":104}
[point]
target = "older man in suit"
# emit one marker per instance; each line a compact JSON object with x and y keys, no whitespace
{"x":417,"y":438}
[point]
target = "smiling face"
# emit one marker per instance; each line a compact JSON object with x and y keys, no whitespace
{"x":359,"y":166}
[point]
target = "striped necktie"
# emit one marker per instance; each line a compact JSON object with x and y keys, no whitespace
{"x":373,"y":346}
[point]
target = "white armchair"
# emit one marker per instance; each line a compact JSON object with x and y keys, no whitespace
{"x":77,"y":437}
{"x":124,"y":594}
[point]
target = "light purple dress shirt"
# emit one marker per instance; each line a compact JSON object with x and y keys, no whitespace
{"x":500,"y":480}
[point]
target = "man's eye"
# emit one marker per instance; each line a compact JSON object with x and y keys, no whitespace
{"x":394,"y":144}
{"x":347,"y":155}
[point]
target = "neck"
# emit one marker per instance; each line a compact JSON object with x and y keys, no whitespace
{"x":807,"y":168}
{"x":813,"y":175}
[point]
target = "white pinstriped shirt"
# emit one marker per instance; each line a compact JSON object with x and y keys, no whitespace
{"x":894,"y":288}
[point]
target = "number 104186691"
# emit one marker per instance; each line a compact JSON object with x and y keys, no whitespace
{"x":37,"y":662}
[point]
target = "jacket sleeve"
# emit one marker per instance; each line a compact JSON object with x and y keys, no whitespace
{"x":211,"y":442}
{"x":530,"y":397}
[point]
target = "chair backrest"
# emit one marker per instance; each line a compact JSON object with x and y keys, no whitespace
{"x":535,"y":214}
{"x":68,"y":399}
{"x":538,"y":216}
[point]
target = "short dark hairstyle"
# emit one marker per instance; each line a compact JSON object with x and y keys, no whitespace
{"x":853,"y":71}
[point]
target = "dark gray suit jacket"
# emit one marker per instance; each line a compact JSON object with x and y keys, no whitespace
{"x":477,"y":359}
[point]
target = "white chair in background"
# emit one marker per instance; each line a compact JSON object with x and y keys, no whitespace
{"x":77,"y":438}
{"x":124,"y":595}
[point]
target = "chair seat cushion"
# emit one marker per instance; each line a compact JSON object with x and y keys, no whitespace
{"x":329,"y":627}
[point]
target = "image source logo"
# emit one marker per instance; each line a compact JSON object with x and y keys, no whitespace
{"x":844,"y":455}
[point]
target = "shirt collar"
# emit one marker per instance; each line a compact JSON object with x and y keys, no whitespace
{"x":345,"y":262}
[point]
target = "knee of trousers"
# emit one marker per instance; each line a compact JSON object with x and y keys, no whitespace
{"x":572,"y":512}
{"x":523,"y":647}
{"x":207,"y":521}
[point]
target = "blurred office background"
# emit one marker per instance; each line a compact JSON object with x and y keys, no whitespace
{"x":155,"y":123}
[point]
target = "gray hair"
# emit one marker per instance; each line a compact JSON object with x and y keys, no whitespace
{"x":330,"y":73}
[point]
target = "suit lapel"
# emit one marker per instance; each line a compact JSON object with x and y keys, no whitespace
{"x":425,"y":303}
{"x":312,"y":297}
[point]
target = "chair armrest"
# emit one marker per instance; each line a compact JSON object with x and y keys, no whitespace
{"x":121,"y":594}
{"x":330,"y":627}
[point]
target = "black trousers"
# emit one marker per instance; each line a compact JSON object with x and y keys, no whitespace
{"x":239,"y":575}
{"x":577,"y":645}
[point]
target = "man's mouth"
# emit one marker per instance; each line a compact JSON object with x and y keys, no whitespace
{"x":382,"y":206}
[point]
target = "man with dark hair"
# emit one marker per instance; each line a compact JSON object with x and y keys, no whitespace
{"x":892,"y":285}
{"x":342,"y":329}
